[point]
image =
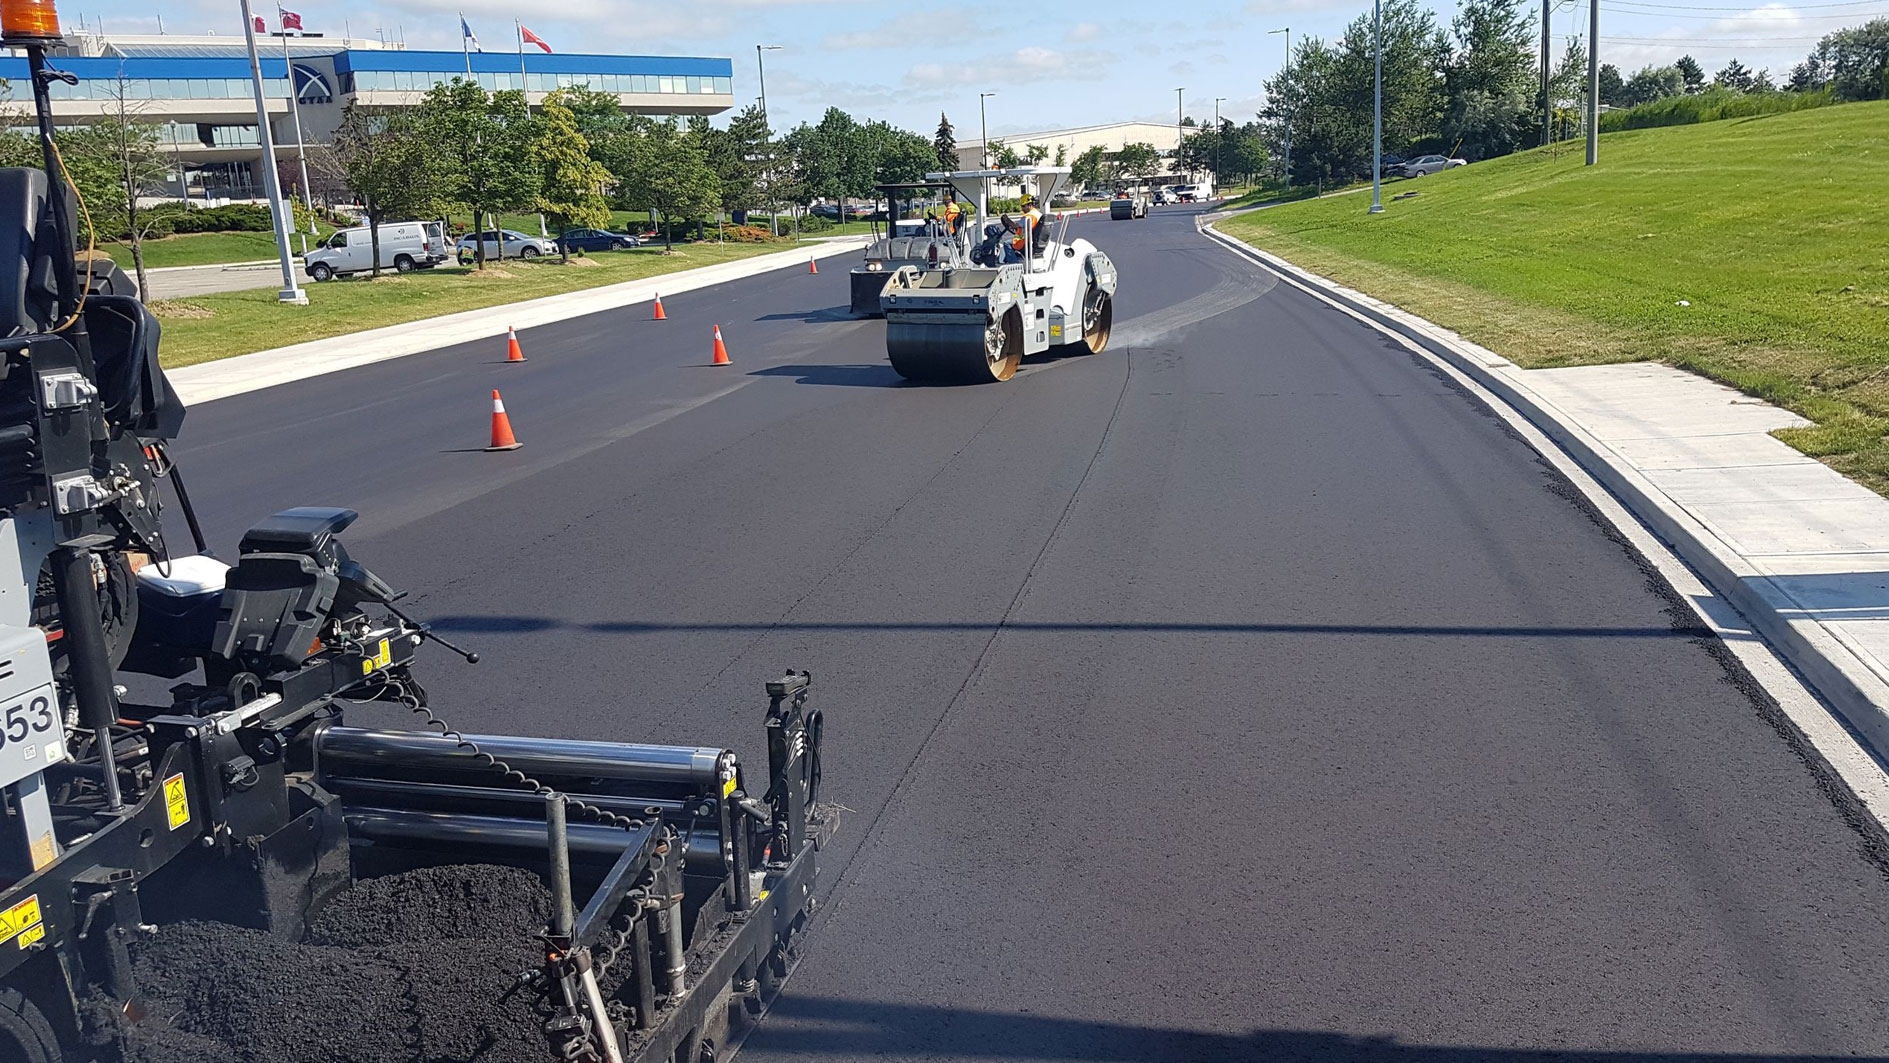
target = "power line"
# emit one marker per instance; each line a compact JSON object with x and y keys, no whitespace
{"x":1741,"y":18}
{"x":1715,"y":42}
{"x":1707,"y":7}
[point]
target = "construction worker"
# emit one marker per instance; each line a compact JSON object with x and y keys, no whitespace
{"x":1027,"y":225}
{"x":954,"y":217}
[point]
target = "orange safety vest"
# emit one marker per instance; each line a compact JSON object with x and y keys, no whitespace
{"x":1031,"y":219}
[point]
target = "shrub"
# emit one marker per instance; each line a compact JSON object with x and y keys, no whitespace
{"x":813,"y":223}
{"x":231,"y":218}
{"x":746,"y":234}
{"x":1712,"y":105}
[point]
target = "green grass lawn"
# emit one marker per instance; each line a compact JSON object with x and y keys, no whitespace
{"x":1774,"y":229}
{"x":206,"y":327}
{"x":205,"y":249}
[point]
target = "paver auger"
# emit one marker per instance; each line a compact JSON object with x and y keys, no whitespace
{"x":976,"y":323}
{"x":276,"y":776}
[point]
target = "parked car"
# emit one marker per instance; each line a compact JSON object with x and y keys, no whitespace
{"x":1162,"y":197}
{"x":596,"y":240}
{"x":514,"y":243}
{"x":404,"y":247}
{"x":1192,"y":193}
{"x":1429,"y":164}
{"x":1390,"y":164}
{"x":831,"y":211}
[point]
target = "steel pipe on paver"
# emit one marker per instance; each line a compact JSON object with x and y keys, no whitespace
{"x":418,"y":755}
{"x":487,"y":800}
{"x":398,"y":826}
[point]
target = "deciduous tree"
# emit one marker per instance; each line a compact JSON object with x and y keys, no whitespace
{"x":570,"y":181}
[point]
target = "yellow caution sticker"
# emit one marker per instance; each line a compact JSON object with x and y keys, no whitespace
{"x":176,"y":801}
{"x":32,"y":935}
{"x":367,"y":666}
{"x":386,"y":655}
{"x":1056,"y":330}
{"x":728,"y":786}
{"x":20,"y":918}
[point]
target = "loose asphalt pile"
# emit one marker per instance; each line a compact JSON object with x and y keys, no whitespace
{"x":410,"y":967}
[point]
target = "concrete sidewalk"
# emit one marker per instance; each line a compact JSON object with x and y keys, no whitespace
{"x":207,"y":381}
{"x":1801,"y":552}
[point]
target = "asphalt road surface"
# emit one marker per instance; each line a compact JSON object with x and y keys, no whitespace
{"x":1243,"y":692}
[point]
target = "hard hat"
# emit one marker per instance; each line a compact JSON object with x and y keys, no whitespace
{"x":1028,"y":199}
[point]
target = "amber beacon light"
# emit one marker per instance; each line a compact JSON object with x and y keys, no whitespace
{"x":24,"y":21}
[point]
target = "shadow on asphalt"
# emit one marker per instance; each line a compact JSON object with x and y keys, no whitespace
{"x":508,"y":624}
{"x":859,"y":1029}
{"x":814,"y":317}
{"x":848,"y":376}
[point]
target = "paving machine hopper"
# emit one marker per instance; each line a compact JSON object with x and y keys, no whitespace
{"x":279,"y":772}
{"x":976,"y":323}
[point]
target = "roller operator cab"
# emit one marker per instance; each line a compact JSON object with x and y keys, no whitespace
{"x":976,"y":323}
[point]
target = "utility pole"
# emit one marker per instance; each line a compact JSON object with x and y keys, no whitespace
{"x":1593,"y":81}
{"x":1377,"y":109}
{"x":767,"y":132}
{"x":1547,"y":102}
{"x":1180,"y":133}
{"x":284,"y":219}
{"x":1287,"y":30}
{"x":983,"y":130}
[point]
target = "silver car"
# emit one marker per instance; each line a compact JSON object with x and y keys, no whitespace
{"x":1429,"y":164}
{"x":515,"y":244}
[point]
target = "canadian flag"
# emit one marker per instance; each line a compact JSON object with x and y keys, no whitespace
{"x":525,"y":36}
{"x":290,"y":20}
{"x":260,"y":26}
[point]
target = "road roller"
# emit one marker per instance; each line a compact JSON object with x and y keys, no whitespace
{"x":975,"y":324}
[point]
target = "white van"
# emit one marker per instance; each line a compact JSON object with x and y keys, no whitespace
{"x":404,"y":247}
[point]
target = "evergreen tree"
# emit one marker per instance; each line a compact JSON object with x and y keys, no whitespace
{"x":1693,"y":74}
{"x":945,"y":144}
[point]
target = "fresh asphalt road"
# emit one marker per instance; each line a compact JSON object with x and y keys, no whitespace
{"x":1244,"y":692}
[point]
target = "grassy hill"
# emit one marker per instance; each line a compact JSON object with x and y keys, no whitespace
{"x":1775,"y":229}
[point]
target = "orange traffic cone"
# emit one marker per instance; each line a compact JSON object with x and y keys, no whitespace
{"x":502,"y":438}
{"x":721,"y":352}
{"x":660,"y":316}
{"x":813,"y":265}
{"x":512,"y":353}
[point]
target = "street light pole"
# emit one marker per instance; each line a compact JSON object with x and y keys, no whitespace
{"x":1180,"y":135}
{"x":767,"y":130}
{"x":1377,"y":116}
{"x":1593,"y":82}
{"x":983,"y":130}
{"x":291,"y":292}
{"x":1287,"y":30}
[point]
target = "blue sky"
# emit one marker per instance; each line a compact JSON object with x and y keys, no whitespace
{"x":1065,"y":63}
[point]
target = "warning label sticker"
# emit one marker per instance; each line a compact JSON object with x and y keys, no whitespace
{"x":176,"y":801}
{"x":20,"y":919}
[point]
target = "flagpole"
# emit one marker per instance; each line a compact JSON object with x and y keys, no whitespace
{"x":523,"y":82}
{"x":465,"y":43}
{"x":295,"y":112}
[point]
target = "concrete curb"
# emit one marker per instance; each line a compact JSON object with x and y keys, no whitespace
{"x":208,"y":381}
{"x":1838,"y":674}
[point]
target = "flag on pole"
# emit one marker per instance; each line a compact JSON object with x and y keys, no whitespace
{"x":527,"y":37}
{"x":290,"y":20}
{"x":260,"y":27}
{"x":467,"y":36}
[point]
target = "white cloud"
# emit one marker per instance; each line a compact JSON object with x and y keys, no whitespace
{"x":1032,"y":63}
{"x":1083,"y":31}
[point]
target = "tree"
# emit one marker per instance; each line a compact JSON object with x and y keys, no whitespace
{"x":1138,"y":159}
{"x":387,"y":162}
{"x":116,"y":162}
{"x":1612,"y":88}
{"x":1062,"y":155}
{"x":1036,"y":153}
{"x":1853,"y":63}
{"x":1086,"y":171}
{"x":1491,"y":81}
{"x":898,"y":156}
{"x":1761,"y":82}
{"x":671,"y":178}
{"x":486,"y":140}
{"x":945,"y":144}
{"x":1003,"y":156}
{"x":1692,"y":73}
{"x":570,"y":182}
{"x":1736,"y":77}
{"x":1653,"y":83}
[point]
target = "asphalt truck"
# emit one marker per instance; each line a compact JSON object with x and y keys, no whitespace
{"x":264,"y":786}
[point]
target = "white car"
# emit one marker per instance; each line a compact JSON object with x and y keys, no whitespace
{"x":514,"y":243}
{"x":1429,"y":164}
{"x":404,"y":246}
